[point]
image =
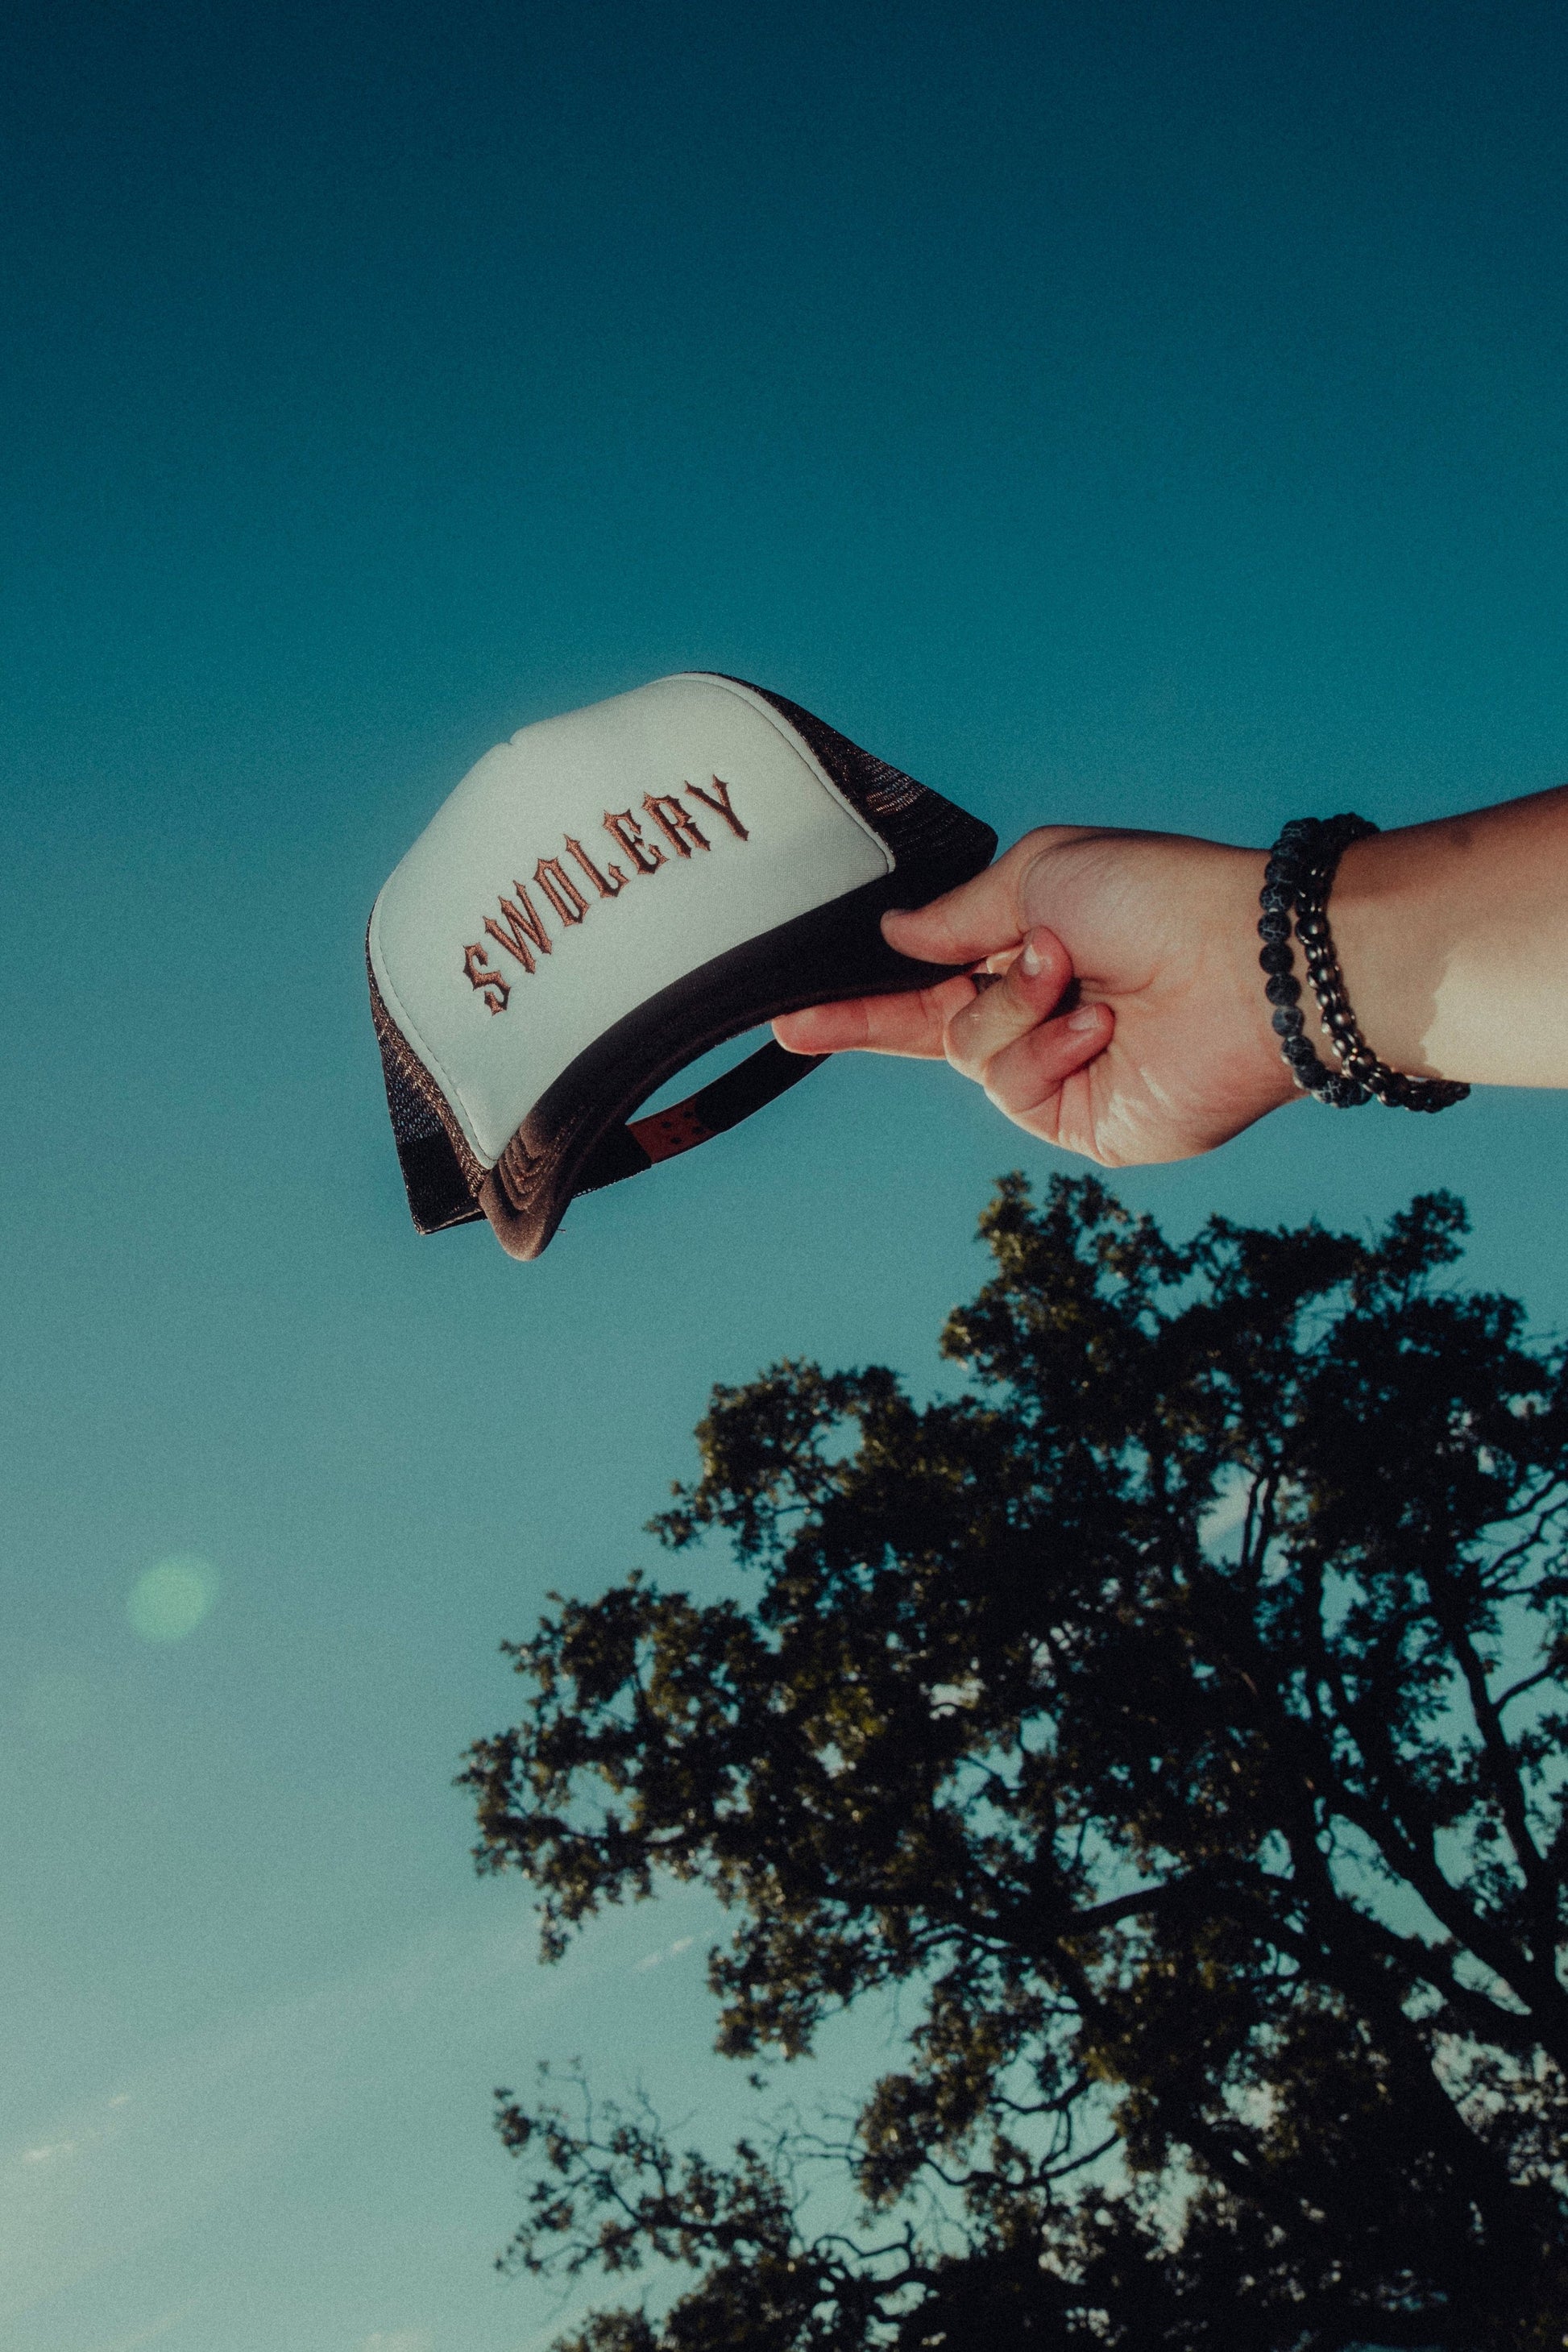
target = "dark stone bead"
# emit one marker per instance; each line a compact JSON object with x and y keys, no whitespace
{"x":1311,"y":928}
{"x":1276,"y":957}
{"x":1284,"y":987}
{"x":1283,"y":873}
{"x":1273,"y":925}
{"x":1297,"y":1051}
{"x":1286,"y":1022}
{"x":1344,"y":1095}
{"x":1272,"y":900}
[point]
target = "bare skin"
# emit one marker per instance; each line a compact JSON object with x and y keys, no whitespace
{"x":1129,"y":1023}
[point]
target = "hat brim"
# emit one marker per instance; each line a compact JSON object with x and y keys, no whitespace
{"x":576,"y":1138}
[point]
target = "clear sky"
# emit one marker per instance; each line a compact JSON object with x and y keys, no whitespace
{"x":1145,"y":413}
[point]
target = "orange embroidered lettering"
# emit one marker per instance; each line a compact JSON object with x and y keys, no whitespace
{"x":720,"y":807}
{"x":476,"y":972}
{"x":522,"y":924}
{"x":521,"y":928}
{"x":560,"y":890}
{"x":646,"y":855}
{"x":679,"y":828}
{"x":607,"y":886}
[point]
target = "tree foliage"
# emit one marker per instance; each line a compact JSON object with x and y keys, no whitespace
{"x":1177,"y":1714}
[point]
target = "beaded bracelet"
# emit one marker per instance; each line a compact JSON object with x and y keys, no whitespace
{"x":1299,"y":876}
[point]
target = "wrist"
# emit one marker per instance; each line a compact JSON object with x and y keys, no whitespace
{"x":1299,"y":876}
{"x":1386,"y":914}
{"x":1257,"y":1059}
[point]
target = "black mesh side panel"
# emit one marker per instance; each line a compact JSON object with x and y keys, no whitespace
{"x":437,"y":1193}
{"x":918,"y":824}
{"x":440,"y":1190}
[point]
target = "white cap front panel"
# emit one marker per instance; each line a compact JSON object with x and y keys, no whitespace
{"x":589,"y":863}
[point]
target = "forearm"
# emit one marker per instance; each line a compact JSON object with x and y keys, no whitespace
{"x":1453,"y":940}
{"x":1136,"y":1026}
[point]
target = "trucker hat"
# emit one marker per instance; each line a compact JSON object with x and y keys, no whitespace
{"x":607,"y":897}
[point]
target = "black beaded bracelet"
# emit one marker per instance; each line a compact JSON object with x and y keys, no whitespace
{"x":1296,"y":882}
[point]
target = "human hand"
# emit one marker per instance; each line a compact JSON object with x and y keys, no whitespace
{"x":1128,"y":1024}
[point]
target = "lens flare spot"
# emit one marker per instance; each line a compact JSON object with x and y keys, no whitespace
{"x":170,"y":1599}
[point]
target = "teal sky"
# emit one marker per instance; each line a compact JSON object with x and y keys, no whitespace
{"x":1150,"y":413}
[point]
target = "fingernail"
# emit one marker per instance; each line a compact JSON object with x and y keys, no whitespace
{"x":1031,"y":960}
{"x":1085,"y":1017}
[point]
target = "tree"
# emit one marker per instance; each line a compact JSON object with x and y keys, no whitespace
{"x":1176,"y":1714}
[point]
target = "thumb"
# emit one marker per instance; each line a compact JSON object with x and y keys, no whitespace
{"x":981,"y":917}
{"x":978,"y":918}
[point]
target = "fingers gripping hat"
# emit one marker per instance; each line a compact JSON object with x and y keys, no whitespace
{"x":607,"y":897}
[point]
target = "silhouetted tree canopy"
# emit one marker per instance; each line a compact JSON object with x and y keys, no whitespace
{"x":1176,"y":1714}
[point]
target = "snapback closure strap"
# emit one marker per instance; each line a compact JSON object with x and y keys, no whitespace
{"x":642,"y":1142}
